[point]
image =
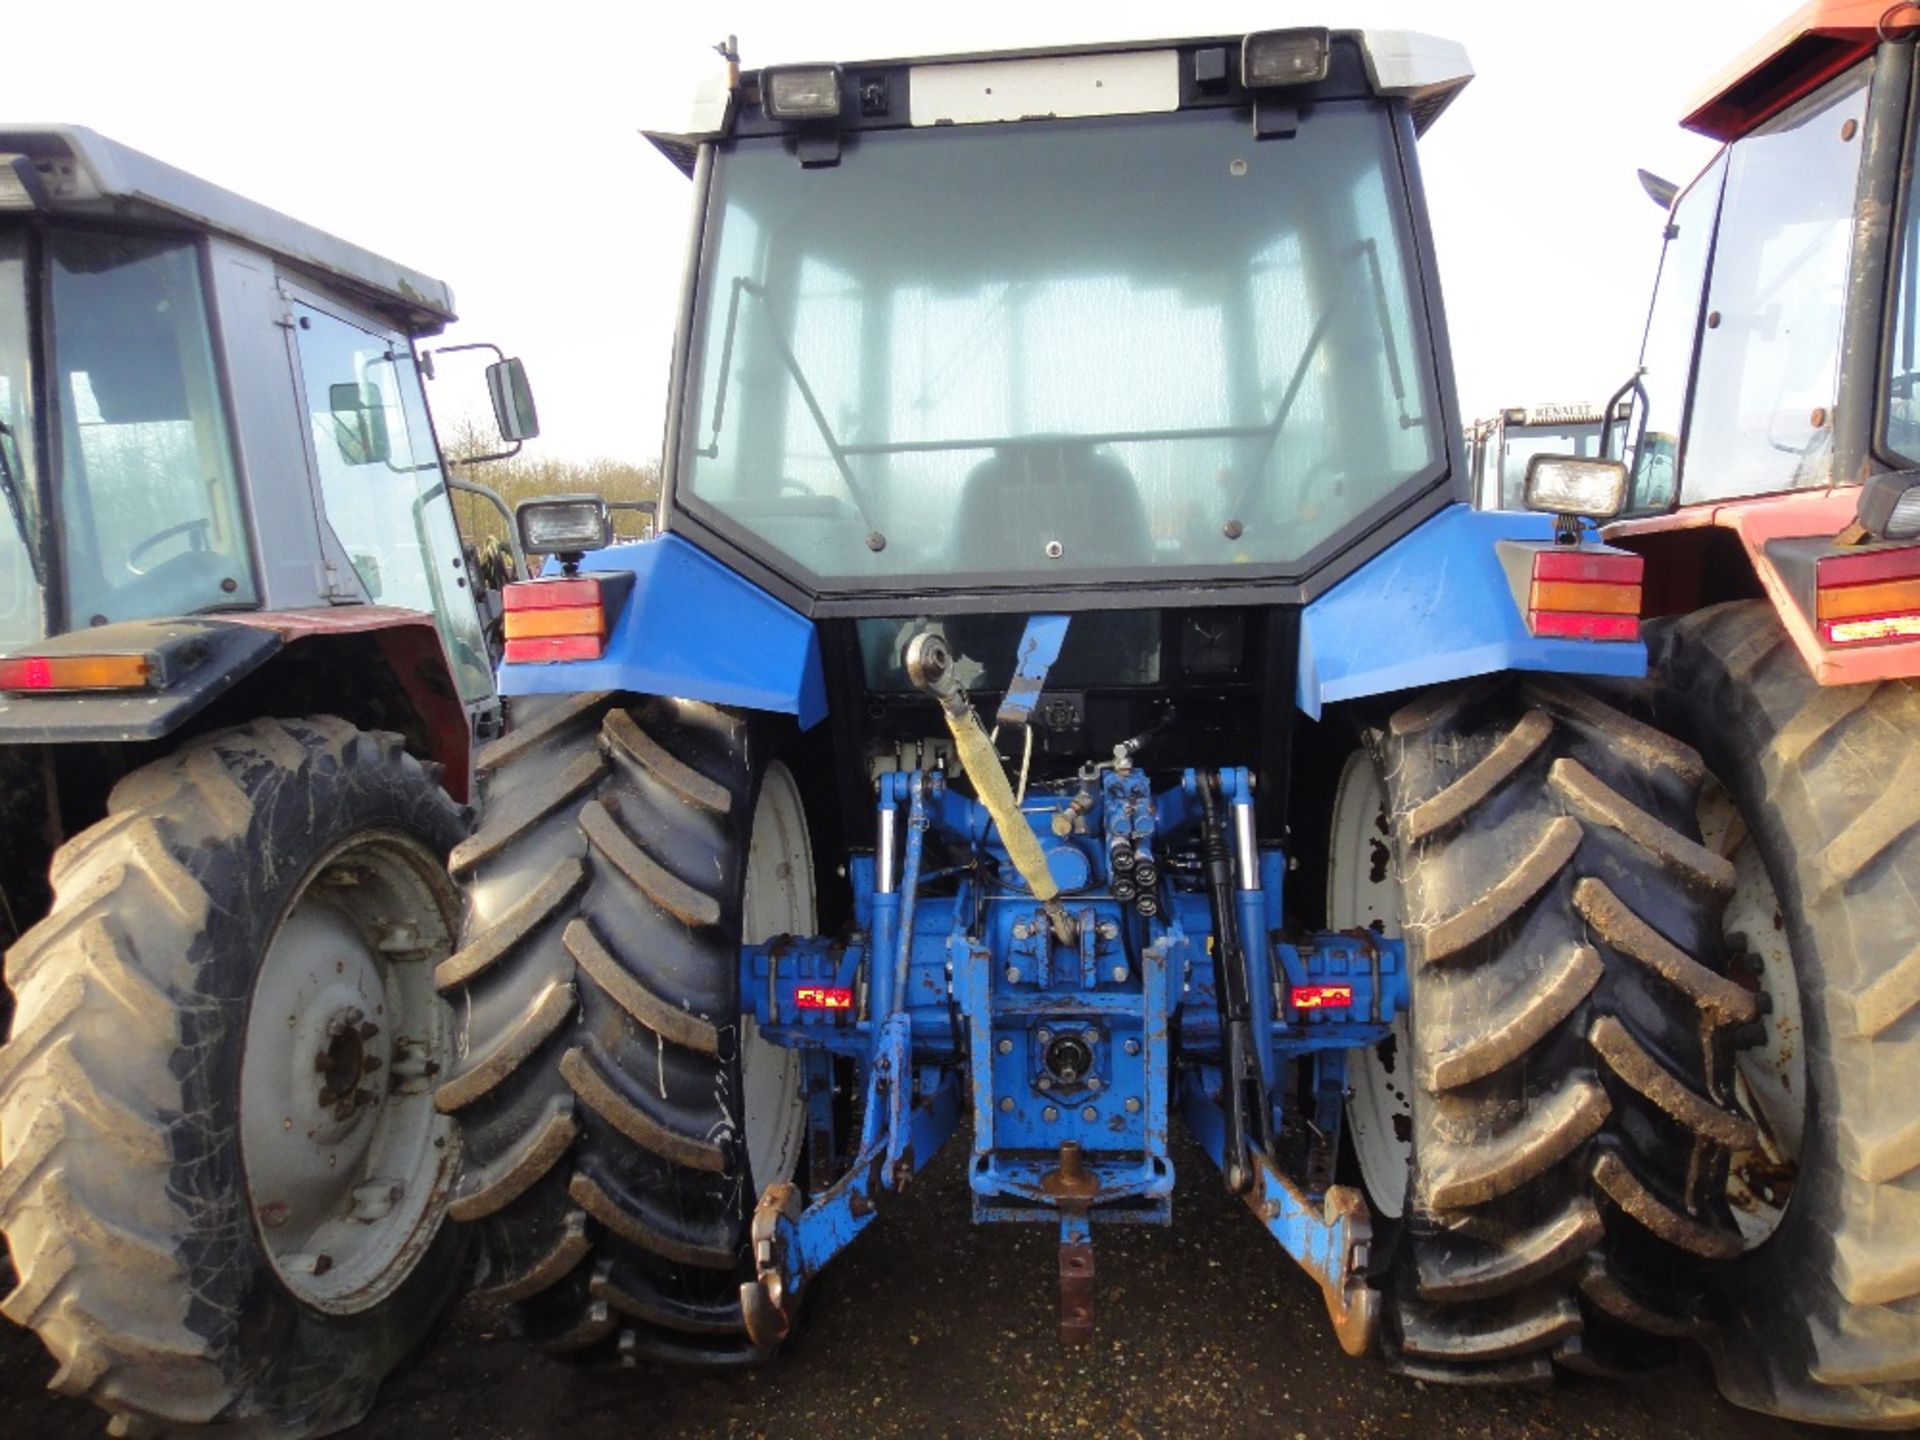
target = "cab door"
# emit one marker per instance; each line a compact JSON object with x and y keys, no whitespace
{"x":378,"y":481}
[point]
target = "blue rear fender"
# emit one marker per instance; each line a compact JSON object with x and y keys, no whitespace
{"x":692,"y":629}
{"x":1434,"y":606}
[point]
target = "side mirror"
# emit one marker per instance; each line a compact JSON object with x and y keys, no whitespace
{"x":1661,"y":192}
{"x":1585,"y":486}
{"x":512,"y":396}
{"x":359,"y":424}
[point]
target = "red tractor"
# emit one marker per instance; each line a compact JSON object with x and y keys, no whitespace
{"x":1776,"y":497}
{"x":242,"y":667}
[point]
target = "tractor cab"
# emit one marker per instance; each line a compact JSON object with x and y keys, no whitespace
{"x":212,"y":417}
{"x":1143,"y":364}
{"x":244,"y":662}
{"x":1774,"y":445}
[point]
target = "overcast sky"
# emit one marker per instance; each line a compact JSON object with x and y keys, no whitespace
{"x":495,"y":146}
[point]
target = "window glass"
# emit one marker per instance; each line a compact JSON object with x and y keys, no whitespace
{"x":1903,"y":376}
{"x":149,"y":507}
{"x":893,"y":377}
{"x":1770,"y":347}
{"x":1672,"y":328}
{"x":381,"y":482}
{"x":20,"y":594}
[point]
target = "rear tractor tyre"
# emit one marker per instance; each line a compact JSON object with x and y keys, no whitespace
{"x":1545,"y":1141}
{"x":222,"y":1179}
{"x":619,"y":1113}
{"x":1820,"y":1319}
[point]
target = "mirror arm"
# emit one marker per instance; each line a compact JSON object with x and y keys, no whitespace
{"x":485,"y":459}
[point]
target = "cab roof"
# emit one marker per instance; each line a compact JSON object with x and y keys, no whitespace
{"x":84,"y":174}
{"x":1801,"y":53}
{"x":1426,"y":70}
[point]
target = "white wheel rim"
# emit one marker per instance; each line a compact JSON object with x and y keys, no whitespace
{"x":779,"y":901}
{"x":1363,"y":891}
{"x":347,"y":1162}
{"x":1770,"y":1078}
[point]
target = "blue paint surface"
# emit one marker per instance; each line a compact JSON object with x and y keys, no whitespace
{"x":694,"y":630}
{"x":1039,"y":648}
{"x":1436,"y":606}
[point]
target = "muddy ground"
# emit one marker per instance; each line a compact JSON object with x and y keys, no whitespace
{"x":931,"y":1326}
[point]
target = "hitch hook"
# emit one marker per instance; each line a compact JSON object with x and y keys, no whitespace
{"x":769,"y":1301}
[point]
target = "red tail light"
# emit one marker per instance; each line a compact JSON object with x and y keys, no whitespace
{"x":1322,"y":997}
{"x":1585,"y":595}
{"x":77,"y":672}
{"x":1864,"y":598}
{"x":822,"y":997}
{"x":555,"y":620}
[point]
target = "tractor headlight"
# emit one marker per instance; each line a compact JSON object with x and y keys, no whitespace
{"x":801,"y":92}
{"x":563,"y":524}
{"x":1576,"y":485}
{"x":1890,"y":505}
{"x":1284,"y":57}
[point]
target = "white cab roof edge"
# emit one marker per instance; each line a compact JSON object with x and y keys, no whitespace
{"x":1427,"y":70}
{"x":87,"y":174}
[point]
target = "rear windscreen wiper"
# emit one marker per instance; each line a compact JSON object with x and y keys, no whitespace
{"x":10,"y":486}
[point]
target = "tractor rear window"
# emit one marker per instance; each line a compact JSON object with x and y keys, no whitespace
{"x":1048,"y":349}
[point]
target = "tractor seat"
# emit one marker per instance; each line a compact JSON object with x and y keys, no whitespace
{"x":1029,"y":494}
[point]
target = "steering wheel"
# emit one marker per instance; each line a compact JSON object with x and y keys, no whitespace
{"x":203,"y":525}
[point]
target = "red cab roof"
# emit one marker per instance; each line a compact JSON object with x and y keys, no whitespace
{"x":1808,"y":48}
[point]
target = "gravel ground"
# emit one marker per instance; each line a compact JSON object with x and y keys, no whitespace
{"x":931,"y":1326}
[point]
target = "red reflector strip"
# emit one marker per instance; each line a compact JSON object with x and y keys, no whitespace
{"x":1586,"y":567}
{"x":551,"y":594}
{"x":1867,"y":568}
{"x":1322,"y":997}
{"x":1579,"y":625}
{"x":823,"y":997}
{"x":543,"y":649}
{"x":35,"y":673}
{"x":1868,"y":628}
{"x":77,"y":672}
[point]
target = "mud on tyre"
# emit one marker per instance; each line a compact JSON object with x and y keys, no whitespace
{"x":1820,"y":1320}
{"x":261,"y":901}
{"x":1559,"y":1120}
{"x":618,"y":1114}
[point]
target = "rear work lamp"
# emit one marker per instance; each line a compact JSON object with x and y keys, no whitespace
{"x":1270,"y":58}
{"x":1586,"y":486}
{"x":1890,"y":505}
{"x":564,"y":524}
{"x":801,"y":92}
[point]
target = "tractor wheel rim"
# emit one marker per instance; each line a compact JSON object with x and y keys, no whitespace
{"x":779,"y":900}
{"x":348,"y":1165}
{"x":1363,"y":890}
{"x":1770,"y":1076}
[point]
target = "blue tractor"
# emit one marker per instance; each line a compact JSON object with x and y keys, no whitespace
{"x":1071,"y":696}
